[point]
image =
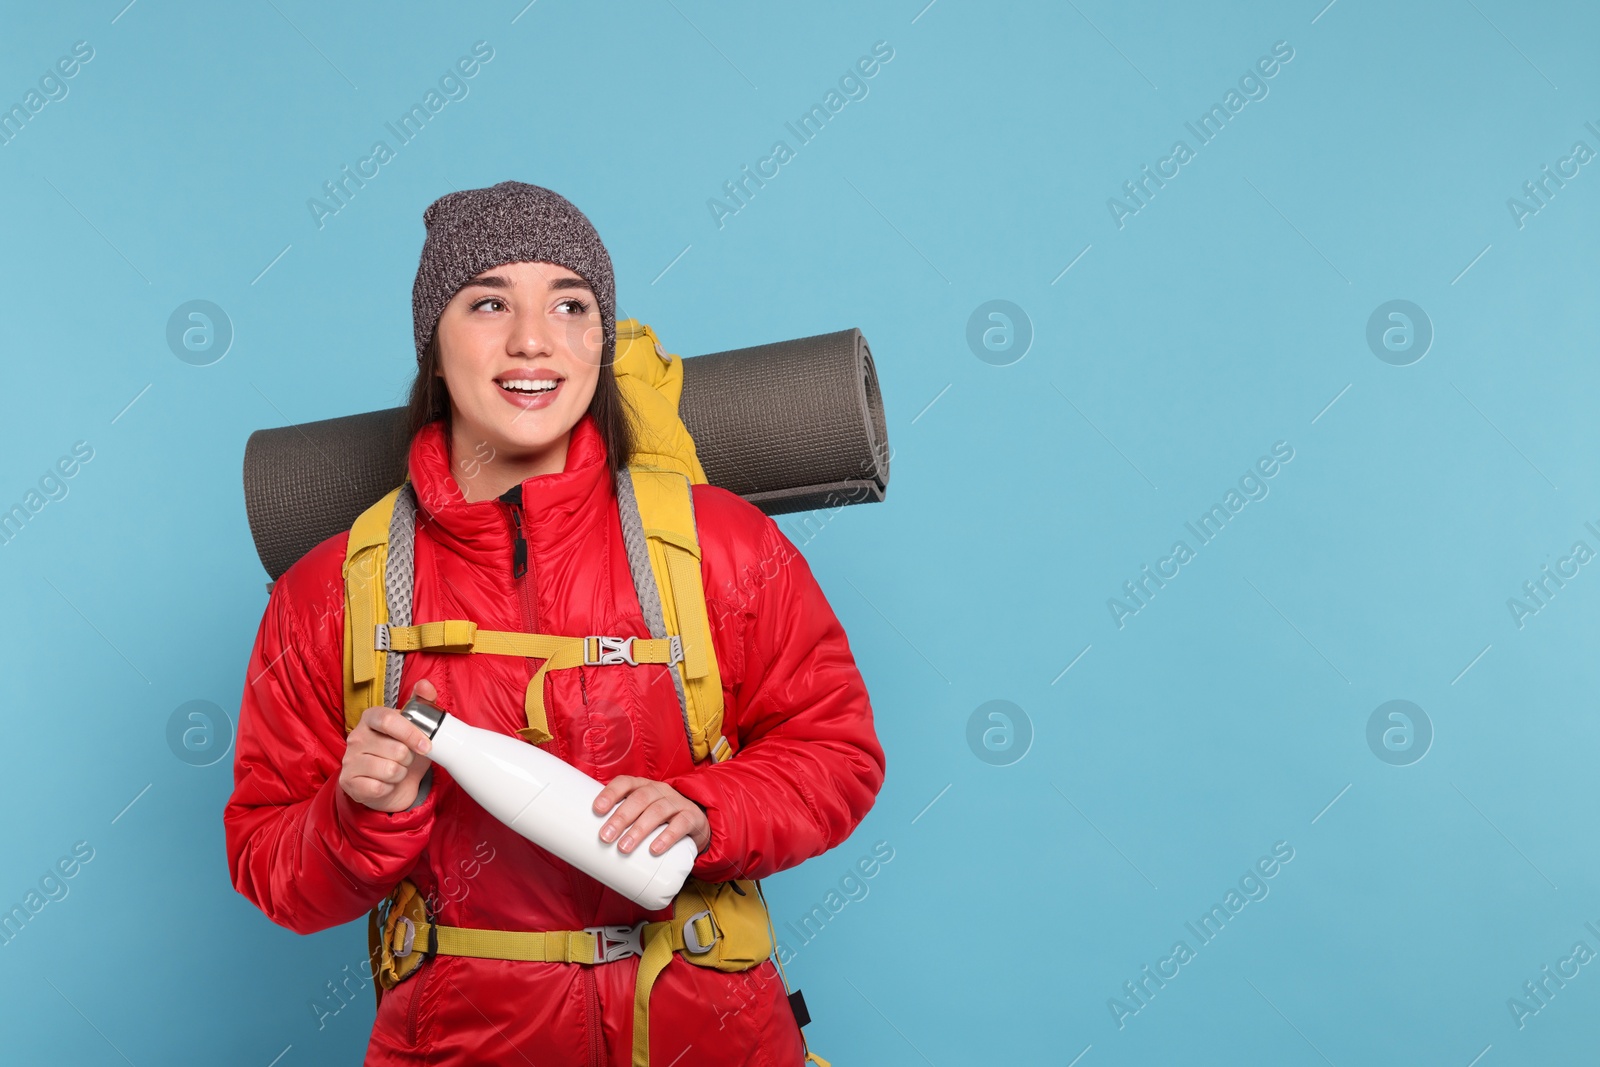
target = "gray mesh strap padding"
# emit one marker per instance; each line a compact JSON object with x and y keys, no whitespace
{"x":644,"y":580}
{"x":398,"y":583}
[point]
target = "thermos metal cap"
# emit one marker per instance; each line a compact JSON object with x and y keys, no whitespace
{"x":424,"y":715}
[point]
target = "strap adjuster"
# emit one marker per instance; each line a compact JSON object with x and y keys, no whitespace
{"x":691,"y":936}
{"x":410,"y":939}
{"x":612,"y":650}
{"x":380,"y":637}
{"x":612,"y":943}
{"x":675,"y":647}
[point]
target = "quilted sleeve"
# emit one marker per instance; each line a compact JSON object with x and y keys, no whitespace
{"x":808,"y":764}
{"x":298,"y":847}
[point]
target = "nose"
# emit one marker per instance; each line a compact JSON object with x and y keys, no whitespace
{"x":530,"y":333}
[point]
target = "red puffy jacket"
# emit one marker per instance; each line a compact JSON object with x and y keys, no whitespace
{"x":806,"y":769}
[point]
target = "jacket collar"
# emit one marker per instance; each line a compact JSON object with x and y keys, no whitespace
{"x":554,"y":506}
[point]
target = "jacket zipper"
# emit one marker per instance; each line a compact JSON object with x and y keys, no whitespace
{"x":591,"y":989}
{"x":512,"y":498}
{"x":414,"y":1008}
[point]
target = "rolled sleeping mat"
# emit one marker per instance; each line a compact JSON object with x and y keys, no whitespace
{"x":789,"y":426}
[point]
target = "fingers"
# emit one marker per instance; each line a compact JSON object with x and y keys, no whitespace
{"x":379,"y":783}
{"x":652,"y":813}
{"x":366,"y":765}
{"x":639,"y":806}
{"x":390,"y":723}
{"x":658,"y":812}
{"x":376,"y":744}
{"x":679,"y":826}
{"x":367,"y":791}
{"x":425,"y":690}
{"x":619,"y":787}
{"x":641,"y":793}
{"x":384,"y":755}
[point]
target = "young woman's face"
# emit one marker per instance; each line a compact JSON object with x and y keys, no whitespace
{"x":520,"y":349}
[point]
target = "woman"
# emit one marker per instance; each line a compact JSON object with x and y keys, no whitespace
{"x":518,"y":427}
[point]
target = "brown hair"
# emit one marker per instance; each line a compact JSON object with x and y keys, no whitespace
{"x":430,"y":400}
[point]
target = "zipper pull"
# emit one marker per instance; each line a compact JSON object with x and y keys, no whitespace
{"x":519,"y":546}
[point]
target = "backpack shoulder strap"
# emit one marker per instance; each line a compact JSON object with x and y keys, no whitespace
{"x":658,"y":528}
{"x":378,"y":566}
{"x":378,"y":571}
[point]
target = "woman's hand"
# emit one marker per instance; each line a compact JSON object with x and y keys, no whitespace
{"x":385,"y":757}
{"x":641,"y":806}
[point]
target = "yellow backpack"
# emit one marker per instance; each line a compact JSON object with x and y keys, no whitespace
{"x":724,"y":925}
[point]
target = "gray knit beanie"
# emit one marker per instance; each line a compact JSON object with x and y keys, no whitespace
{"x":475,"y":229}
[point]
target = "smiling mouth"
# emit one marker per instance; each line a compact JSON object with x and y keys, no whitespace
{"x":530,"y":386}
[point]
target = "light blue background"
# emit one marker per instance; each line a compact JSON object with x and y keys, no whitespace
{"x":1224,"y":317}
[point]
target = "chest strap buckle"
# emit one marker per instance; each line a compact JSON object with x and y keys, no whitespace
{"x":612,"y":943}
{"x":611,"y":650}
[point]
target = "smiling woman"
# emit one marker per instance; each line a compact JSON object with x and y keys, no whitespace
{"x":498,"y":339}
{"x":517,"y":354}
{"x":531,"y":522}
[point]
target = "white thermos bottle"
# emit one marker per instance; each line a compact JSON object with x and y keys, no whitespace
{"x":551,"y":803}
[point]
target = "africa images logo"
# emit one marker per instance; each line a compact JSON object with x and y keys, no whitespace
{"x":1205,"y":129}
{"x":1252,"y":887}
{"x":1141,"y":589}
{"x":852,"y":87}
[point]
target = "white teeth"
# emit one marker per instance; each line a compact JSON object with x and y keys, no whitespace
{"x":530,"y":385}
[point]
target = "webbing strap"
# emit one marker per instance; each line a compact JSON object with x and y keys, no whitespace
{"x":666,"y":508}
{"x":684,"y":568}
{"x":361,"y":621}
{"x":365,"y":554}
{"x":674,"y":537}
{"x":660,"y":940}
{"x":547,"y":946}
{"x":657,"y":954}
{"x":570,"y":654}
{"x":637,"y":545}
{"x":462,"y":635}
{"x":449,"y":635}
{"x":557,"y":651}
